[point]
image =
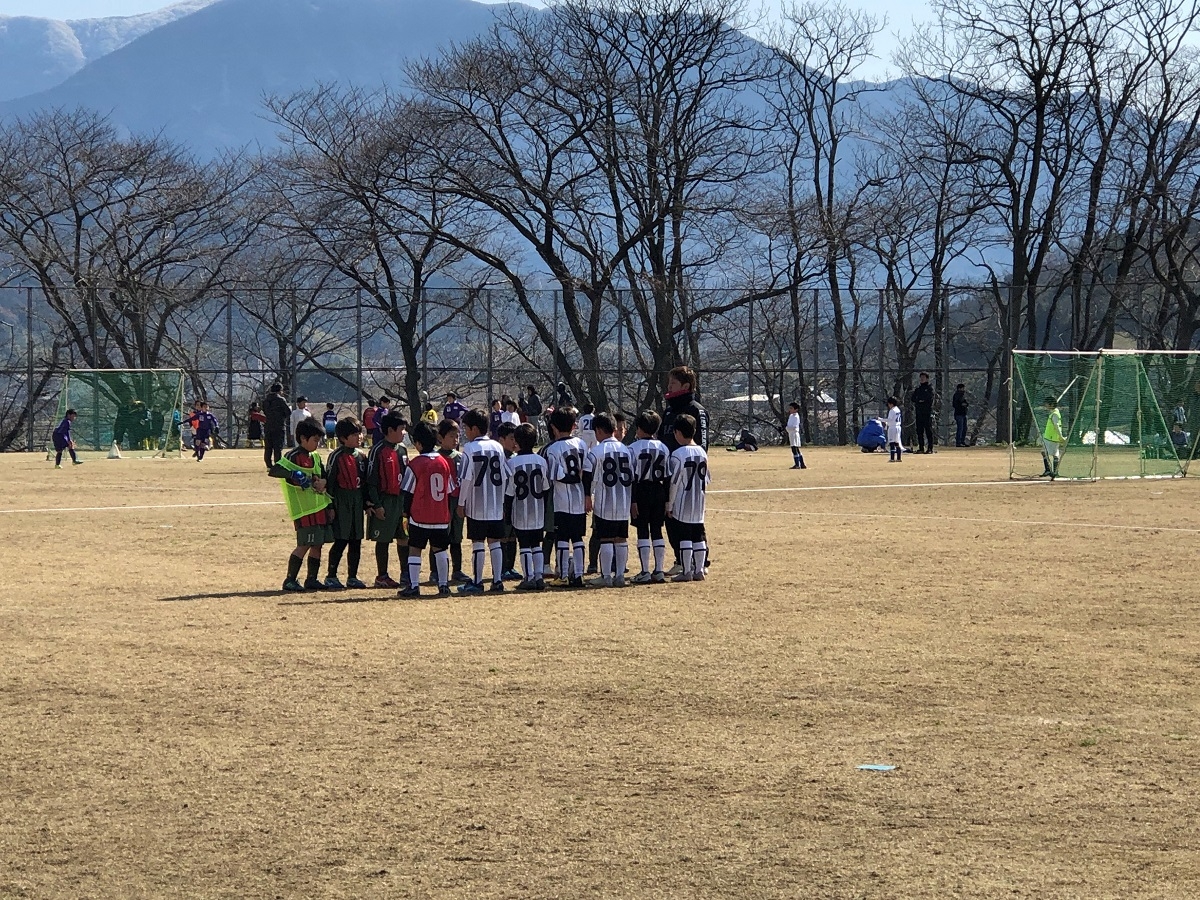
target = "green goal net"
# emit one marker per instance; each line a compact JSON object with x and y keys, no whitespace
{"x":138,"y":410}
{"x":1122,"y":414}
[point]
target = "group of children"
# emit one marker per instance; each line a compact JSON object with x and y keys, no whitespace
{"x":513,"y":501}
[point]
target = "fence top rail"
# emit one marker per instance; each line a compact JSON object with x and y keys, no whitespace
{"x":1110,"y":352}
{"x":101,"y":371}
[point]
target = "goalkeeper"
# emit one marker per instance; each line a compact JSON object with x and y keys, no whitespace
{"x":1053,"y":439}
{"x":303,"y":483}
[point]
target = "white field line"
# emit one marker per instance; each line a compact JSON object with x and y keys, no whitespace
{"x":981,"y":521}
{"x":871,"y":487}
{"x":63,"y":509}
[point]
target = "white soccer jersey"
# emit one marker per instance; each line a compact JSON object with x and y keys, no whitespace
{"x":587,"y":434}
{"x":529,"y":488}
{"x":651,"y":461}
{"x":689,"y":477}
{"x":484,"y":476}
{"x":793,"y":429}
{"x":611,"y":465}
{"x":893,"y":425}
{"x":565,"y":460}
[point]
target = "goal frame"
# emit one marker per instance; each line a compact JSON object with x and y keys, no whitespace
{"x":1095,"y":374}
{"x":173,"y":428}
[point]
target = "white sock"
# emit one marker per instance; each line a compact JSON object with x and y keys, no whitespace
{"x":685,"y":556}
{"x":605,"y":560}
{"x":564,"y":551}
{"x":497,"y":562}
{"x":527,"y":563}
{"x":699,"y":554}
{"x":414,"y":569}
{"x":539,"y":565}
{"x":621,"y":559}
{"x":579,"y":554}
{"x":478,"y":552}
{"x":441,"y":567}
{"x":644,"y":553}
{"x":660,"y":554}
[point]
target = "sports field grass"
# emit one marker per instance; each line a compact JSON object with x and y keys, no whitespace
{"x":1026,"y":655}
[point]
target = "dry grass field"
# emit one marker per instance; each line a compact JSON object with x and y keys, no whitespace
{"x":1026,"y":655}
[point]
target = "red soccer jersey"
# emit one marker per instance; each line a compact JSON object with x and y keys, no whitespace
{"x":430,"y":480}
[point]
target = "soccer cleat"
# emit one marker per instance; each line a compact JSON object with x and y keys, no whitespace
{"x":511,"y":575}
{"x":355,"y":583}
{"x":526,"y":586}
{"x":796,"y":466}
{"x":601,"y":581}
{"x":77,"y":462}
{"x":414,"y":591}
{"x":497,"y":587}
{"x":460,"y":577}
{"x":682,"y":576}
{"x":642,"y":578}
{"x":658,"y":576}
{"x":470,"y":588}
{"x":443,"y":590}
{"x":384,"y":582}
{"x":576,"y":582}
{"x":58,"y":467}
{"x":592,"y":570}
{"x":675,"y":569}
{"x":331,"y":582}
{"x":698,"y":576}
{"x":314,"y":584}
{"x":803,"y":466}
{"x":618,"y":580}
{"x":292,"y":585}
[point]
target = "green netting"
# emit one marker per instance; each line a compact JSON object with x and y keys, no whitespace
{"x":1117,"y":408}
{"x":139,"y":410}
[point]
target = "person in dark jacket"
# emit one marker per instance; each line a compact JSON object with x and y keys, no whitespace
{"x":922,"y":401}
{"x":959,"y":402}
{"x":563,"y":397}
{"x":681,"y":400}
{"x":275,"y":430}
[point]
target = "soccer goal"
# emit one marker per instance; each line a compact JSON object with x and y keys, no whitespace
{"x":138,"y":410}
{"x":1111,"y":414}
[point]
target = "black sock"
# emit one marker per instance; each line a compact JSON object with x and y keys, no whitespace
{"x":335,"y":557}
{"x":456,"y":556}
{"x":510,"y":555}
{"x":294,"y":564}
{"x":381,"y":558}
{"x":352,"y":559}
{"x":314,"y":567}
{"x":593,"y":547}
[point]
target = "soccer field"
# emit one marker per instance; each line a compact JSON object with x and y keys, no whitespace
{"x":1024,"y":654}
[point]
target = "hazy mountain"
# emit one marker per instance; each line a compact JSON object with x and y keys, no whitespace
{"x":201,"y":78}
{"x":36,"y":54}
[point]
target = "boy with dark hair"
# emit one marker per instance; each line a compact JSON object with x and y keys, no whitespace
{"x":303,"y":483}
{"x":506,"y":437}
{"x":685,"y":504}
{"x":204,"y":425}
{"x":607,"y":484}
{"x":484,"y":476}
{"x":1053,"y":438}
{"x":793,"y":430}
{"x":453,"y":410}
{"x":63,"y":441}
{"x":382,"y":411}
{"x":428,"y":482}
{"x":385,"y":469}
{"x":300,"y":413}
{"x":651,"y":477}
{"x":370,"y":411}
{"x":347,"y":471}
{"x":527,"y":506}
{"x":330,"y":421}
{"x":895,"y":431}
{"x":587,"y":434}
{"x":564,"y":458}
{"x":447,"y":432}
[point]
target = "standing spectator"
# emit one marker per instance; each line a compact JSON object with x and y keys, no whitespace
{"x":429,"y":415}
{"x":384,"y":407}
{"x":510,"y":412}
{"x":959,"y":402}
{"x":564,"y":397}
{"x":370,"y":412}
{"x":495,"y":420}
{"x":681,"y":401}
{"x":275,"y":429}
{"x":256,"y":420}
{"x":299,"y":414}
{"x":922,"y":401}
{"x":453,"y":410}
{"x":530,"y":405}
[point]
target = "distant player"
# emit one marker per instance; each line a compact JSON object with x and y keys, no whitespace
{"x":1053,"y":438}
{"x":303,"y":482}
{"x":385,"y":469}
{"x":895,"y":430}
{"x":608,"y":486}
{"x":346,"y":474}
{"x":587,"y":434}
{"x":426,"y":488}
{"x":454,"y":410}
{"x":370,"y":411}
{"x":484,"y":476}
{"x":300,"y":413}
{"x":527,"y":506}
{"x":255,"y":419}
{"x":506,"y":437}
{"x":447,"y":431}
{"x":382,"y":410}
{"x":685,"y":505}
{"x":63,"y":441}
{"x":652,"y":474}
{"x":564,"y":457}
{"x":330,"y":420}
{"x":793,"y":430}
{"x":204,"y":426}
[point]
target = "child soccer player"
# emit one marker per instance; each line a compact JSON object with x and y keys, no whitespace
{"x":368,"y":419}
{"x":564,"y":457}
{"x":304,"y":492}
{"x":894,"y":430}
{"x":330,"y":420}
{"x":586,"y":433}
{"x":62,"y":440}
{"x":385,"y":468}
{"x":346,"y":470}
{"x":426,"y":488}
{"x":300,"y":413}
{"x":1052,"y":438}
{"x":204,"y":426}
{"x":527,"y":512}
{"x":484,"y":478}
{"x":506,"y":436}
{"x":689,"y":479}
{"x":793,"y":430}
{"x":382,"y":410}
{"x":447,"y":432}
{"x":607,"y":485}
{"x":256,"y":420}
{"x":651,"y":472}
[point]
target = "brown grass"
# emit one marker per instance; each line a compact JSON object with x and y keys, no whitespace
{"x":171,"y":725}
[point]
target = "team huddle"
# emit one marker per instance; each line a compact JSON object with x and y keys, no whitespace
{"x":513,"y":500}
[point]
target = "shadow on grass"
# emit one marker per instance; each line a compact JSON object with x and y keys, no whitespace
{"x":229,"y":595}
{"x":356,"y":597}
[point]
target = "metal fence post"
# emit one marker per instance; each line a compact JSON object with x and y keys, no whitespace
{"x":229,"y":364}
{"x":491,"y":389}
{"x":30,"y":399}
{"x":358,"y":342}
{"x":750,"y":366}
{"x":816,"y":366}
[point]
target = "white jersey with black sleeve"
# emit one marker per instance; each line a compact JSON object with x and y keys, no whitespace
{"x":565,"y":460}
{"x":611,"y":466}
{"x":529,"y":487}
{"x":689,"y":478}
{"x":484,"y":477}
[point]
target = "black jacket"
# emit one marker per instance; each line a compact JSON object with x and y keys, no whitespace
{"x":922,"y":399}
{"x":684,"y":404}
{"x":278,"y":414}
{"x":959,"y":402}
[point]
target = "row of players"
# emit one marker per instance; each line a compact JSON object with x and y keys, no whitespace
{"x":505,"y":491}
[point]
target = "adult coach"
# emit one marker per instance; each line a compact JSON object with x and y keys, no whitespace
{"x":681,"y":400}
{"x":275,"y":430}
{"x":922,"y":401}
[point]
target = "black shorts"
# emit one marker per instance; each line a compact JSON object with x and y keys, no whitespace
{"x":437,"y":538}
{"x":651,"y":513}
{"x":569,"y":526}
{"x":527,"y":540}
{"x":690,"y":531}
{"x":483,"y":529}
{"x":609,"y":529}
